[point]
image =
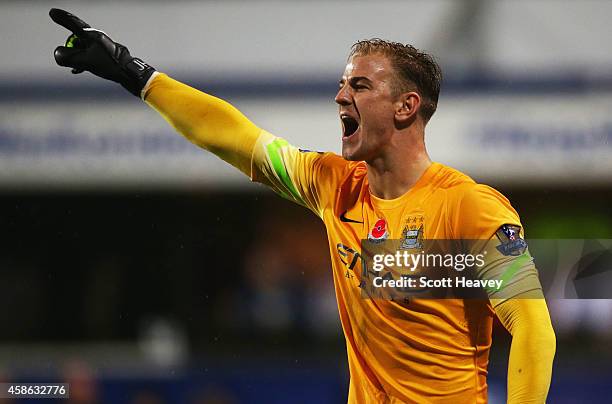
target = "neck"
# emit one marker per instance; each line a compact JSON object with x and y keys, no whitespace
{"x":395,"y":173}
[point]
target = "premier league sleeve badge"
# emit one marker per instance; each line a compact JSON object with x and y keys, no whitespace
{"x":511,"y":242}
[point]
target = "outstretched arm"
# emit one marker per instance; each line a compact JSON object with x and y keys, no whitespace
{"x":207,"y":121}
{"x":532,"y":350}
{"x":203,"y":119}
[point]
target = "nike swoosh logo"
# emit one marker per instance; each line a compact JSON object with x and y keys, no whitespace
{"x":345,"y":219}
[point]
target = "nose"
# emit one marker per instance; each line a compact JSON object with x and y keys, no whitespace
{"x":343,"y":96}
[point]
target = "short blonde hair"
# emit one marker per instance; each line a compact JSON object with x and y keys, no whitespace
{"x":417,"y":70}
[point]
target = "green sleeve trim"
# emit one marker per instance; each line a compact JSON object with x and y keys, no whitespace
{"x":513,"y":269}
{"x":274,"y":149}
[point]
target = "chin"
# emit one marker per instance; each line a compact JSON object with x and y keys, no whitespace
{"x":355,"y":149}
{"x":352,"y":155}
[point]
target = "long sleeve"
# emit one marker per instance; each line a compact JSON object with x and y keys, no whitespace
{"x":532,"y":350}
{"x":206,"y":121}
{"x":307,"y":178}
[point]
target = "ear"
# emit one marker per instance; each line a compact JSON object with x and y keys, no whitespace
{"x":407,"y":106}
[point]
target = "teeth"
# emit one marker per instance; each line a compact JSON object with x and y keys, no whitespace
{"x":346,"y":118}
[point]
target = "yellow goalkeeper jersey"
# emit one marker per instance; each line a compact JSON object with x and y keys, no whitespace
{"x":414,"y":351}
{"x":425,"y":350}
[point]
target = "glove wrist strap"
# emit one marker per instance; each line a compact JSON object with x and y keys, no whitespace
{"x":144,"y":90}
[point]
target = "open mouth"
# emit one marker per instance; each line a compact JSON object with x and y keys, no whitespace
{"x":349,"y":125}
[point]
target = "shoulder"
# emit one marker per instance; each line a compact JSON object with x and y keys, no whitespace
{"x":478,"y":196}
{"x":477,"y":210}
{"x":466,"y":192}
{"x":330,"y":163}
{"x":449,"y":179}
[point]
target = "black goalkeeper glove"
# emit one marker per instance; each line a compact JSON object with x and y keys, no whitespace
{"x":89,"y":49}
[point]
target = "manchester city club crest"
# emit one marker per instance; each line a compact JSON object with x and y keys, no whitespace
{"x":412,"y":236}
{"x":379,"y":232}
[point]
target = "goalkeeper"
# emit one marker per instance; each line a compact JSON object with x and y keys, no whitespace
{"x":383,"y":186}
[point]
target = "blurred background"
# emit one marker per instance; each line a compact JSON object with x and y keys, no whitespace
{"x":140,"y":269}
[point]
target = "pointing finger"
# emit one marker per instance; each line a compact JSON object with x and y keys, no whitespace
{"x":68,"y":21}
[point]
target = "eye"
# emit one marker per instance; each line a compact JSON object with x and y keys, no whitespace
{"x":359,"y":85}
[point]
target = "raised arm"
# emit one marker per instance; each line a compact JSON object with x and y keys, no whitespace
{"x":205,"y":120}
{"x":307,"y":178}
